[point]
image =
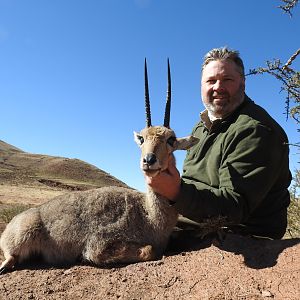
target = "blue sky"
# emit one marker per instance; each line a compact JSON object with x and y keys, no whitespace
{"x":71,"y":72}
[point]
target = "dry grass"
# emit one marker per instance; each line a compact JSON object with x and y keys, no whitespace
{"x":8,"y":211}
{"x":293,"y":230}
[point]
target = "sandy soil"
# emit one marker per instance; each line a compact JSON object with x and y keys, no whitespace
{"x":236,"y":268}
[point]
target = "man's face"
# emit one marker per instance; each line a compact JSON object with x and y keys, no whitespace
{"x":222,"y":87}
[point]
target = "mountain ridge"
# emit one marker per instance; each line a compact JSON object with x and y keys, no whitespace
{"x":53,"y":175}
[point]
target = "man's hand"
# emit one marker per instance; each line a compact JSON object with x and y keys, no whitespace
{"x":167,"y":183}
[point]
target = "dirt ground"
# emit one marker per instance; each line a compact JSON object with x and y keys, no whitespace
{"x":239,"y":268}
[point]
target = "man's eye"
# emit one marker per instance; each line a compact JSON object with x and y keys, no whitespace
{"x":211,"y":81}
{"x":171,"y":141}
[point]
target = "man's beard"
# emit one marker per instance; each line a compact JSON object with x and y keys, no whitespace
{"x":226,"y":107}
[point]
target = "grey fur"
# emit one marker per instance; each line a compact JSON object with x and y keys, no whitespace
{"x":102,"y":226}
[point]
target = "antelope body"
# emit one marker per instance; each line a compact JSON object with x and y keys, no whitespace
{"x":102,"y":226}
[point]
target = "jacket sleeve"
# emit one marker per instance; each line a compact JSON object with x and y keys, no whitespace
{"x":250,"y":163}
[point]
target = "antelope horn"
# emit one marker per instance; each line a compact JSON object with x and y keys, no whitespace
{"x":168,"y":102}
{"x":147,"y":102}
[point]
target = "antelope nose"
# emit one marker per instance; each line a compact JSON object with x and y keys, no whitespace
{"x":150,"y":159}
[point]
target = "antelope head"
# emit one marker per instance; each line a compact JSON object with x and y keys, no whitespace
{"x":158,"y":143}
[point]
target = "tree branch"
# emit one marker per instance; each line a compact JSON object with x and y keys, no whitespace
{"x":288,"y":6}
{"x":290,"y":80}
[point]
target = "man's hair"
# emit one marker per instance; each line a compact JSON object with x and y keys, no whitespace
{"x":223,"y":54}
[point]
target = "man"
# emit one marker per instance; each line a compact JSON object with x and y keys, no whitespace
{"x":239,"y":170}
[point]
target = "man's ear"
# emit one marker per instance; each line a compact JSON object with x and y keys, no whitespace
{"x":186,"y":142}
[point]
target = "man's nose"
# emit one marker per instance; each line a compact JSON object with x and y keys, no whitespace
{"x":218,"y":85}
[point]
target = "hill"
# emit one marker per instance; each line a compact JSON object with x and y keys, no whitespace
{"x":237,"y":267}
{"x":34,"y":178}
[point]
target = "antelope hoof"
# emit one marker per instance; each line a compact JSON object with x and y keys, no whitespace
{"x":3,"y":270}
{"x":7,"y":265}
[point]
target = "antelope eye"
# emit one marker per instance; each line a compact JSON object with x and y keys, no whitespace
{"x":171,"y":141}
{"x":141,"y":139}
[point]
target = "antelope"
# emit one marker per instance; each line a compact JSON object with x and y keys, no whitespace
{"x":105,"y":226}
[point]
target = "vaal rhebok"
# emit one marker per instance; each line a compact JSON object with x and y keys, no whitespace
{"x":107,"y":225}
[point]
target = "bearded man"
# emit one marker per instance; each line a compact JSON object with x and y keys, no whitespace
{"x":239,"y":171}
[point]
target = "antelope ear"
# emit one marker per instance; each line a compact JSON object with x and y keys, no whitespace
{"x":138,"y":138}
{"x":186,"y":142}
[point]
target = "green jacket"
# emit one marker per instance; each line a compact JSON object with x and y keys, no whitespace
{"x":239,"y":170}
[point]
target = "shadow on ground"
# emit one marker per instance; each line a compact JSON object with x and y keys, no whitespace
{"x":258,"y":253}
